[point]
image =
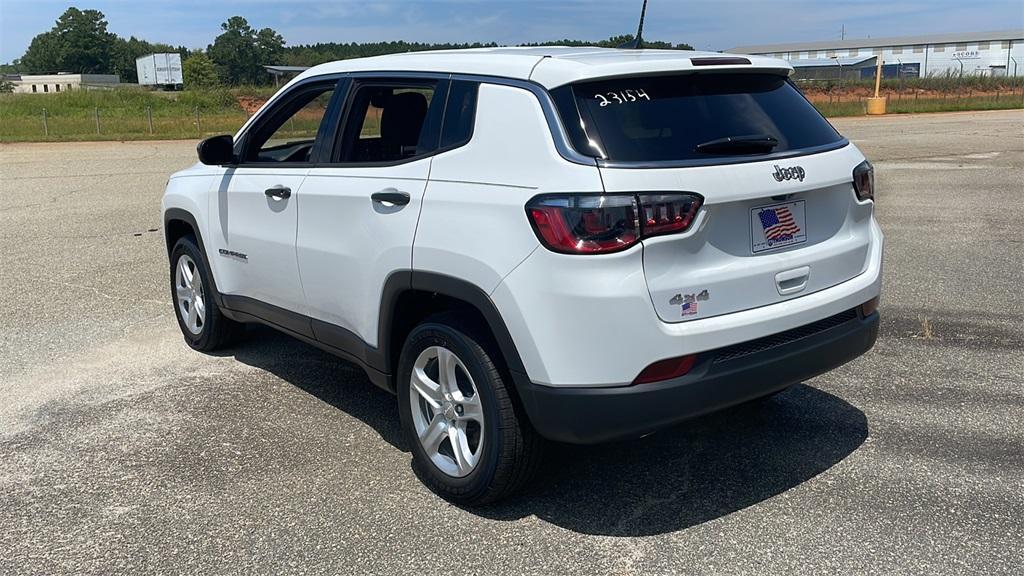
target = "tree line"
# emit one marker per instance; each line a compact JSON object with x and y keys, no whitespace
{"x":79,"y":42}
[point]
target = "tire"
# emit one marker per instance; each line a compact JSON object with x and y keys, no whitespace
{"x":508,"y":450}
{"x":210,"y":329}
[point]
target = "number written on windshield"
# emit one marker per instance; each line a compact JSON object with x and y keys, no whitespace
{"x":622,"y":97}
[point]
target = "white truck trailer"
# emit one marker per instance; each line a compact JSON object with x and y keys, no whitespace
{"x":162,"y":70}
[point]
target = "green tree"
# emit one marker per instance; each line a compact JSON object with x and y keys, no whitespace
{"x":615,"y":42}
{"x":6,"y":86}
{"x":269,"y":47}
{"x":14,"y":67}
{"x":199,"y":71}
{"x":44,"y":55}
{"x":79,"y":42}
{"x":240,"y":52}
{"x":313,"y":54}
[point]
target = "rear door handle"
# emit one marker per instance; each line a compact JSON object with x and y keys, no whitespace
{"x":390,"y":196}
{"x":278,"y":192}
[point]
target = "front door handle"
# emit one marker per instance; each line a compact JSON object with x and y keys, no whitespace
{"x":278,"y":192}
{"x":390,"y":196}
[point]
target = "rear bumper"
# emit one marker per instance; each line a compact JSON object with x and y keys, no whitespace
{"x":590,"y":321}
{"x":721,"y":378}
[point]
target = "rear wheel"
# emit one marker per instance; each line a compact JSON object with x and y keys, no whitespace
{"x":470,"y":442}
{"x":202,"y":324}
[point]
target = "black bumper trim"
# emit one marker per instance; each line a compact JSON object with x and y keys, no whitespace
{"x":594,"y":415}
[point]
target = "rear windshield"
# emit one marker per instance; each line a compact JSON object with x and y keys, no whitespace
{"x":665,"y":118}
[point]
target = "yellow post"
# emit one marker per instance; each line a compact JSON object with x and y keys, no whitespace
{"x":876,"y":105}
{"x":878,"y":76}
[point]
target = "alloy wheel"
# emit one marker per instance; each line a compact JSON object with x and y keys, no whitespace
{"x":447,"y":412}
{"x":188,"y":289}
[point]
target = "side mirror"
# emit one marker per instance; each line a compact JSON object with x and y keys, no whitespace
{"x":217,"y":150}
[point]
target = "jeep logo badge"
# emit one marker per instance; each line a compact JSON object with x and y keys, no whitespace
{"x":796,"y":172}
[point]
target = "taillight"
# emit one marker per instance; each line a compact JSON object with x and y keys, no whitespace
{"x":667,"y":213}
{"x":604,"y":223}
{"x":864,"y":181}
{"x":585,"y":224}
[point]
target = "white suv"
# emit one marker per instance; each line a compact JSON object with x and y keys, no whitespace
{"x":570,"y":244}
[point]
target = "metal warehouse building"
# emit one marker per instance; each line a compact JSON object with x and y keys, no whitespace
{"x":990,"y":53}
{"x":45,"y":83}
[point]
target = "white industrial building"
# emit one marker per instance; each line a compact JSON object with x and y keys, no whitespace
{"x":50,"y":83}
{"x":970,"y":53}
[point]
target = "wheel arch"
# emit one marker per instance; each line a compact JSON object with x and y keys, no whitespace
{"x":409,"y":297}
{"x":179,"y":223}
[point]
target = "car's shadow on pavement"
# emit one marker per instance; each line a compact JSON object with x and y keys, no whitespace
{"x":701,"y":470}
{"x":698,"y":471}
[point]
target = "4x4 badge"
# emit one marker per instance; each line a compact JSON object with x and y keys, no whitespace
{"x":690,"y":298}
{"x":792,"y":173}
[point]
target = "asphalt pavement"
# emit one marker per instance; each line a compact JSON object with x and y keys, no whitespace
{"x":123,"y":451}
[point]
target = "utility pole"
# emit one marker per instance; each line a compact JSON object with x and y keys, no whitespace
{"x":842,"y":34}
{"x":840,"y":63}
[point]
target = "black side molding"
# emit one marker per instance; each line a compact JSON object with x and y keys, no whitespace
{"x":301,"y":327}
{"x":275,"y":316}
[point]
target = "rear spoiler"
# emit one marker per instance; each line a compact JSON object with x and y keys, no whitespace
{"x":554,"y":72}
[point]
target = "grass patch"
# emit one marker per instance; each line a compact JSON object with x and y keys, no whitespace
{"x":123,"y":99}
{"x":124,"y":114}
{"x":953,"y":104}
{"x":922,"y":105}
{"x":837,"y":109}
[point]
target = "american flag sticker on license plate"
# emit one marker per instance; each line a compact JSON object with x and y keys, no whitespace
{"x":777,"y":226}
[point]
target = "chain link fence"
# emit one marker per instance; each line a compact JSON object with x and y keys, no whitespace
{"x":119,"y":124}
{"x":851,"y":100}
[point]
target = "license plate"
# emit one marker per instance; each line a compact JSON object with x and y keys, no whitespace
{"x":777,"y":226}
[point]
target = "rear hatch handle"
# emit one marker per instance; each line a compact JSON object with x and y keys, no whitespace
{"x":792,"y":281}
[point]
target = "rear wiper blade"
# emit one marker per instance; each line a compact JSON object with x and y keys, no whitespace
{"x":752,"y":143}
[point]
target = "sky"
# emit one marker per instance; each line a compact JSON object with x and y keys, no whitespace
{"x":705,"y":24}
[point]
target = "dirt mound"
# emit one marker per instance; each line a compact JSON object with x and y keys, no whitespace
{"x":250,"y":104}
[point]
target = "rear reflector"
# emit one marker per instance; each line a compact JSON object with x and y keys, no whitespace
{"x":666,"y":369}
{"x":868,"y":308}
{"x":718,"y":61}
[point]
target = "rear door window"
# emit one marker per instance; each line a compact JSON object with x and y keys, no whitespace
{"x":673,"y":118}
{"x":391,"y":121}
